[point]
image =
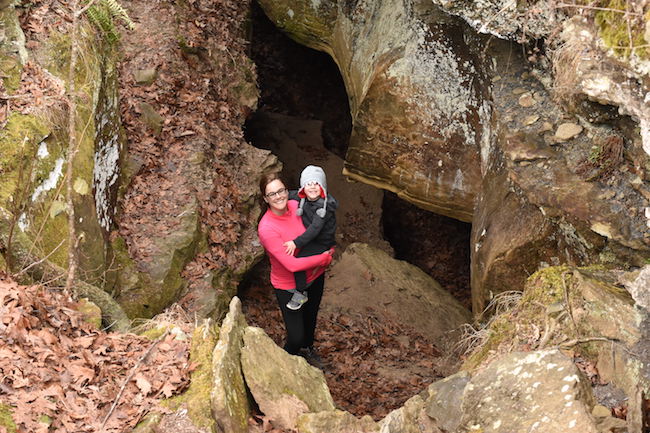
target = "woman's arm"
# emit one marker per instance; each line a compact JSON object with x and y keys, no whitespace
{"x":273,"y":244}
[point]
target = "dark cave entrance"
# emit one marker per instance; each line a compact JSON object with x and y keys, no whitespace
{"x":437,"y":244}
{"x":303,"y":114}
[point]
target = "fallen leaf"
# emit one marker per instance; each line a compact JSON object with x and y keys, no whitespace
{"x":143,"y":384}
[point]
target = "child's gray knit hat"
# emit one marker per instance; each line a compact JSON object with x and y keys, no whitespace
{"x":313,"y":173}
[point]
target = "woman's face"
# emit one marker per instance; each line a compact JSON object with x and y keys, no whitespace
{"x":276,"y":195}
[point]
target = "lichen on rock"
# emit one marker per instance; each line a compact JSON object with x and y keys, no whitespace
{"x":228,"y":398}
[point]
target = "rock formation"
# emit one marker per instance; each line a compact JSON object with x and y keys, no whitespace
{"x":393,"y":288}
{"x":527,"y":150}
{"x":416,"y":133}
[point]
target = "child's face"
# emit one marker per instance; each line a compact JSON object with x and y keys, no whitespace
{"x":312,"y":190}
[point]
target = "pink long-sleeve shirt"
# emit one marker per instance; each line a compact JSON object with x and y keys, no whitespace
{"x":273,"y":231}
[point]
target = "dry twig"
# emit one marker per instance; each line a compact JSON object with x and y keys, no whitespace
{"x":568,"y":304}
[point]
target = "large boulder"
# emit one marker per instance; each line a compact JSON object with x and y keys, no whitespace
{"x":186,"y":225}
{"x":586,"y":309}
{"x":229,"y":399}
{"x":417,"y":133}
{"x":394,"y":288}
{"x":146,"y":287}
{"x":284,"y":386}
{"x":535,"y":391}
{"x":497,"y":144}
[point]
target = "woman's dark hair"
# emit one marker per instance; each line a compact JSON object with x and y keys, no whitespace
{"x":265,"y":179}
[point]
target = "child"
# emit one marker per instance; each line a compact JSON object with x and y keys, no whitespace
{"x":317,"y":209}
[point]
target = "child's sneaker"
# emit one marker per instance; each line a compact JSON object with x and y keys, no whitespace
{"x":297,"y":300}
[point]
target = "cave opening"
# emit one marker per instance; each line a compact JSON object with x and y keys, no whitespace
{"x":375,"y":361}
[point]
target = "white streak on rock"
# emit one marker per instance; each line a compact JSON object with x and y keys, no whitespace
{"x":51,"y":181}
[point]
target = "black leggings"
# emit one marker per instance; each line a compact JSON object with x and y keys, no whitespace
{"x":301,"y":324}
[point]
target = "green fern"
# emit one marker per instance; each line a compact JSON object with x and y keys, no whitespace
{"x":119,"y":12}
{"x":102,"y":14}
{"x":102,"y":19}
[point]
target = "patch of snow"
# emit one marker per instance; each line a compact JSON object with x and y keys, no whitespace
{"x":42,"y":150}
{"x":51,"y":180}
{"x":23,"y":224}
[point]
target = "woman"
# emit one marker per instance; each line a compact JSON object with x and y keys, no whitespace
{"x":278,"y":225}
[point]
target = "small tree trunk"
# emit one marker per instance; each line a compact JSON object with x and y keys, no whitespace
{"x":73,"y":257}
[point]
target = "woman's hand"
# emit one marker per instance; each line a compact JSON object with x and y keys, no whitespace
{"x":290,"y":247}
{"x":327,"y":258}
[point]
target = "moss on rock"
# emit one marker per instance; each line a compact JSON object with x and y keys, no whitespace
{"x":510,"y":329}
{"x":541,"y":318}
{"x":91,"y":313}
{"x":6,"y":419}
{"x":33,"y":165}
{"x":12,"y":48}
{"x":197,"y":397}
{"x":621,"y":33}
{"x":19,"y":141}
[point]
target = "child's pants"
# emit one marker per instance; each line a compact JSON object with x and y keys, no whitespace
{"x":311,"y":249}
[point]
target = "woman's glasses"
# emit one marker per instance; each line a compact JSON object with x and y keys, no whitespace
{"x":273,"y":194}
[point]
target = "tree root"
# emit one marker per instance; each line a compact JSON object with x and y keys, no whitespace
{"x":43,"y":270}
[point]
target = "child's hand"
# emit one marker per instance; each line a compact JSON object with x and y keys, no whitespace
{"x":290,"y":247}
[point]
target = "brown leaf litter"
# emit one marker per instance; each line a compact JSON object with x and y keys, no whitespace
{"x":60,"y":374}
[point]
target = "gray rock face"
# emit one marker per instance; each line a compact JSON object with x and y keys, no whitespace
{"x":284,"y":386}
{"x":228,"y":398}
{"x":445,"y":401}
{"x":506,"y":19}
{"x":393,"y":287}
{"x":638,"y":287}
{"x":336,"y":421}
{"x":416,"y":133}
{"x":541,"y":202}
{"x":410,"y":418}
{"x":529,"y":392}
